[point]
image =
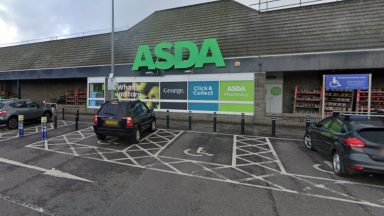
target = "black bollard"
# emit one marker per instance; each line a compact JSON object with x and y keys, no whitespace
{"x":190,"y":120}
{"x":242,"y":123}
{"x":167,"y":118}
{"x":55,"y":120}
{"x":274,"y":125}
{"x":214,"y":121}
{"x":77,"y":120}
{"x":307,"y":122}
{"x":62,"y":114}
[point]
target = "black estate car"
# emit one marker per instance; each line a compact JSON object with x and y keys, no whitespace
{"x":354,"y":143}
{"x":123,"y":119}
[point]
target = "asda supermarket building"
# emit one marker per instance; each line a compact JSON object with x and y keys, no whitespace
{"x":218,"y":57}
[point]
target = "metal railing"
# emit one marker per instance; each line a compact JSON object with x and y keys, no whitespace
{"x":269,"y":5}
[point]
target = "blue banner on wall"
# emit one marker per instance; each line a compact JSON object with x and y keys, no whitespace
{"x":347,"y":81}
{"x":208,"y":90}
{"x":204,"y":106}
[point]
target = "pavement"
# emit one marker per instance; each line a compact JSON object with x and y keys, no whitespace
{"x":176,"y":172}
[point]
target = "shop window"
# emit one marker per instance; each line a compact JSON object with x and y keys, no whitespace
{"x":96,"y":94}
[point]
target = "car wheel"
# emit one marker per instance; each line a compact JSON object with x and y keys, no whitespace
{"x":137,"y":136}
{"x":12,"y":123}
{"x":308,"y":142}
{"x":101,"y":137}
{"x":48,"y":115}
{"x":338,"y":165}
{"x":153,"y":125}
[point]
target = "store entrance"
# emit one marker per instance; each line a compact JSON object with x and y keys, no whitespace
{"x":274,"y":98}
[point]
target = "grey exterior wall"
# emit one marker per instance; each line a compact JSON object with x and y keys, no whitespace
{"x":45,"y":90}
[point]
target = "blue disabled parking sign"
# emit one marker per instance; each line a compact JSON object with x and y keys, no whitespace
{"x":347,"y":81}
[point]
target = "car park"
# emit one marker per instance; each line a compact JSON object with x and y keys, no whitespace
{"x":123,"y":119}
{"x":354,"y":143}
{"x":12,"y":108}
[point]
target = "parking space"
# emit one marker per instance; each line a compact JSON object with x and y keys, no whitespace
{"x":279,"y":165}
{"x":29,"y":129}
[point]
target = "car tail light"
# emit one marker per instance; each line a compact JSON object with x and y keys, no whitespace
{"x":129,"y":122}
{"x":358,"y":168}
{"x":3,"y":113}
{"x":95,"y":119}
{"x":353,"y":142}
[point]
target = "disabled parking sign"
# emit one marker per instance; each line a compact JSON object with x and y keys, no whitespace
{"x":347,"y":81}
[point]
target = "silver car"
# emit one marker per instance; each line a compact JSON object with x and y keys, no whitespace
{"x":11,"y":109}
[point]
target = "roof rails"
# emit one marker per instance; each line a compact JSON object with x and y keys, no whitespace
{"x":270,"y":5}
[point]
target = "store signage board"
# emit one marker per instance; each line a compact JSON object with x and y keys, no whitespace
{"x":173,"y":92}
{"x":203,"y":94}
{"x":170,"y":55}
{"x":347,"y":81}
{"x":237,"y":91}
{"x":205,"y":90}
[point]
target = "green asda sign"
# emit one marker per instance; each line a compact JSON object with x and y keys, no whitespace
{"x":237,"y":91}
{"x":170,"y":55}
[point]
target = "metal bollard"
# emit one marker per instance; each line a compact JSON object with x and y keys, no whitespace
{"x":274,"y":125}
{"x":63,"y":114}
{"x":21,"y":125}
{"x":214,"y":121}
{"x":44,"y":135}
{"x":77,"y":120}
{"x":190,"y":120}
{"x":167,"y":118}
{"x":307,"y":122}
{"x":54,"y":113}
{"x":55,"y":120}
{"x":242,"y":123}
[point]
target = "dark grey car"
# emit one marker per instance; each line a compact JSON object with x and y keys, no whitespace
{"x":11,"y":109}
{"x":353,"y":143}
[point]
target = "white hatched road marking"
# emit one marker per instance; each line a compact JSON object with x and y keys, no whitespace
{"x":29,"y":130}
{"x":249,"y":152}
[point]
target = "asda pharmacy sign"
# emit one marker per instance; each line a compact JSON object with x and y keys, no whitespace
{"x":170,"y":55}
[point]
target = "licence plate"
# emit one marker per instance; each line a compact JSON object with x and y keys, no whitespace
{"x":111,"y":122}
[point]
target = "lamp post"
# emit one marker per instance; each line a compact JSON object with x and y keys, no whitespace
{"x":111,"y":83}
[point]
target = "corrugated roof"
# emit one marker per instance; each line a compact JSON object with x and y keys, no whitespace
{"x":241,"y":31}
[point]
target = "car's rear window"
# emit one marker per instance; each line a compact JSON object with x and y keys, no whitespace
{"x":115,"y":109}
{"x":373,"y":134}
{"x":2,"y":105}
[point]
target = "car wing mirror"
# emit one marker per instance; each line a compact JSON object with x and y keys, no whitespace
{"x":319,"y":125}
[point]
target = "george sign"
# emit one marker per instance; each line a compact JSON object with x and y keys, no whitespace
{"x":174,"y":90}
{"x":347,"y":81}
{"x":170,"y":55}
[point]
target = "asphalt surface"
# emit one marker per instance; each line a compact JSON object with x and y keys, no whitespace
{"x":175,"y":172}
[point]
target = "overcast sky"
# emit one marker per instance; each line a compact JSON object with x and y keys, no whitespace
{"x":22,"y":20}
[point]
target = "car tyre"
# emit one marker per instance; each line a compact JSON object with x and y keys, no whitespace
{"x":338,"y":165}
{"x":153,"y":126}
{"x":12,"y":123}
{"x":101,"y":137}
{"x":308,"y":142}
{"x":137,"y":136}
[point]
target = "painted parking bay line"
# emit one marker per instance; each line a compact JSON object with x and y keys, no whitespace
{"x":52,"y":172}
{"x":252,"y":154}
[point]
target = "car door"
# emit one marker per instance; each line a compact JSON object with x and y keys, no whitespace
{"x":138,"y":115}
{"x":321,"y":135}
{"x":147,"y":116}
{"x":20,"y":108}
{"x":336,"y":129}
{"x":34,"y":110}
